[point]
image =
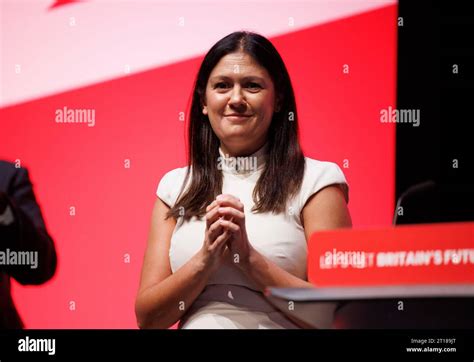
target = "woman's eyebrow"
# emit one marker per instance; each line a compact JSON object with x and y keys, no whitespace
{"x":220,"y":77}
{"x":254,"y":78}
{"x":244,"y":79}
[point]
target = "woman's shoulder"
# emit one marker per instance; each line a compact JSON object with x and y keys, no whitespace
{"x":170,"y":185}
{"x":322,"y":168}
{"x":319,"y":174}
{"x":175,"y":174}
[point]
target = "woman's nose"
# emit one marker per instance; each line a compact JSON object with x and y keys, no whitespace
{"x":236,"y":97}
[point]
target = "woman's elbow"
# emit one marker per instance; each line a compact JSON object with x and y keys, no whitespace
{"x":141,"y":315}
{"x":150,"y":323}
{"x":144,"y":318}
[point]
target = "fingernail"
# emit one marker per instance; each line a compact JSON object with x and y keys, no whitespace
{"x":219,"y":197}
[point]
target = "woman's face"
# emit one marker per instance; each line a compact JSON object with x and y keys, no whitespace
{"x":239,"y":101}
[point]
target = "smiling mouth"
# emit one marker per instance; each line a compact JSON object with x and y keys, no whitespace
{"x":237,"y":119}
{"x":237,"y":116}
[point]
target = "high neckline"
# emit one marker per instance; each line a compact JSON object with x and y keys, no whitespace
{"x":243,"y":165}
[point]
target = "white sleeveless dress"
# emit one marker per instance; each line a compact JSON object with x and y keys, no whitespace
{"x":230,"y":299}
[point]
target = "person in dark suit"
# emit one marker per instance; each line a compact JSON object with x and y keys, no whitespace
{"x":22,"y":232}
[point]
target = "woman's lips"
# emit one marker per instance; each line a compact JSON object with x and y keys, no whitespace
{"x":235,"y":117}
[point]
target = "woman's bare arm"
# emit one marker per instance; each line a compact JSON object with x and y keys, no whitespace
{"x":325,"y":210}
{"x":163,"y":296}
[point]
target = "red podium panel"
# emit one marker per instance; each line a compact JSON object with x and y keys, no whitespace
{"x":399,"y":255}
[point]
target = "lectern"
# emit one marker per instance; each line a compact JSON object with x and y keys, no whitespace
{"x":411,"y":276}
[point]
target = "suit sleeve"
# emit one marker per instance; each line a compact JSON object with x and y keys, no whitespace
{"x":28,"y":233}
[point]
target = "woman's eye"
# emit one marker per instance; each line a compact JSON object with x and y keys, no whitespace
{"x":221,"y":85}
{"x":253,"y":85}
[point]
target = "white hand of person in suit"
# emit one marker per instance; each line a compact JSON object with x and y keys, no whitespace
{"x":230,"y":212}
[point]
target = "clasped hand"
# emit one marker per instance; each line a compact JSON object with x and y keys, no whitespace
{"x":227,"y":212}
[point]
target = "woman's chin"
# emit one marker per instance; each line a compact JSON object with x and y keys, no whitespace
{"x":235,"y":136}
{"x":236,"y":130}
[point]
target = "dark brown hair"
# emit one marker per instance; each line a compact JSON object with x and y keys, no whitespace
{"x":283,"y":172}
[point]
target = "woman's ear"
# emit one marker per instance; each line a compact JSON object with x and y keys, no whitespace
{"x":204,"y":107}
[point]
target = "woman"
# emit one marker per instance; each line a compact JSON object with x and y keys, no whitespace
{"x":237,"y":219}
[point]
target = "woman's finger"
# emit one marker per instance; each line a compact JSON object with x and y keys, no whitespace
{"x":229,"y":225}
{"x":213,"y":212}
{"x":220,"y":241}
{"x":212,"y":215}
{"x":231,"y":212}
{"x":211,"y":206}
{"x":214,"y":230}
{"x":229,"y":200}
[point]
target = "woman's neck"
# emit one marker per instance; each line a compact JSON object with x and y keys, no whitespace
{"x":242,"y":151}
